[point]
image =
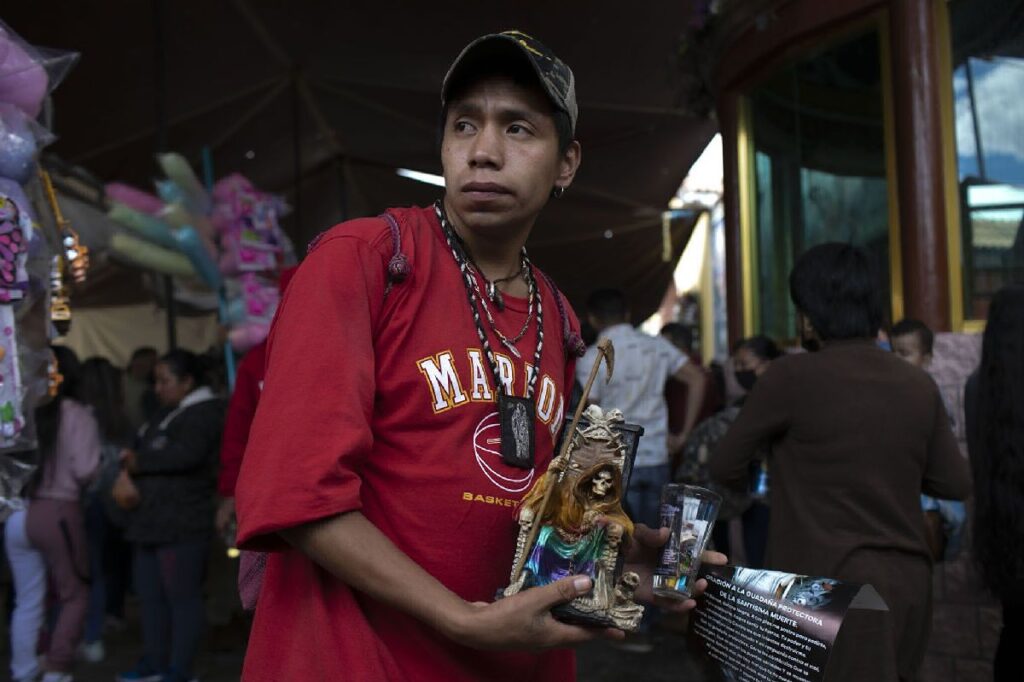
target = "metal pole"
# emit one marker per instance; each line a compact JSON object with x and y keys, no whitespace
{"x":222,"y":296}
{"x":160,"y":100}
{"x":975,"y":124}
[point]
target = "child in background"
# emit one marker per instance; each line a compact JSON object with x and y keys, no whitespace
{"x":912,"y":340}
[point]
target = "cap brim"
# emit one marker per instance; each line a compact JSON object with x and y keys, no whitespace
{"x":494,"y":48}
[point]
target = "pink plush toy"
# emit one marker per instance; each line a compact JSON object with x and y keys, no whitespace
{"x":23,"y":81}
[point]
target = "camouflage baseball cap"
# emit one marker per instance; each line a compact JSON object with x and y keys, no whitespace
{"x":554,"y":75}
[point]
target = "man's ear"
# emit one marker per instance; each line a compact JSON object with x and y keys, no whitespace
{"x":569,"y":164}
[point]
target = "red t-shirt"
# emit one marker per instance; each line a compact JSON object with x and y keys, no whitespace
{"x":241,"y":410}
{"x":385,"y":403}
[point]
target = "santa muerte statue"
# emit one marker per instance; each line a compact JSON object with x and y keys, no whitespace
{"x":572,"y":521}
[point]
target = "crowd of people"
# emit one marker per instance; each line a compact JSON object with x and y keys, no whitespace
{"x":837,"y":457}
{"x":375,"y":505}
{"x":122,"y":499}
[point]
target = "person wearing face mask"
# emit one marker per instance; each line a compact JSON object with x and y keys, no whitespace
{"x":751,"y":359}
{"x":856,"y":435}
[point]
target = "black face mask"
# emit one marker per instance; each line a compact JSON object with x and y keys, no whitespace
{"x":746,"y":378}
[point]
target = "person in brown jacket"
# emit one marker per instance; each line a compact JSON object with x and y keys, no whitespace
{"x":856,"y":436}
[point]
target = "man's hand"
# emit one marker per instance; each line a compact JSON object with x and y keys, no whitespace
{"x":354,"y":550}
{"x":642,"y":557}
{"x":524,"y":620}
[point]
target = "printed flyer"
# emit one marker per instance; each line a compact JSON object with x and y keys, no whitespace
{"x":763,"y":626}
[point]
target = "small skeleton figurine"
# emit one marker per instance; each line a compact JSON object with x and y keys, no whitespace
{"x":582,"y":528}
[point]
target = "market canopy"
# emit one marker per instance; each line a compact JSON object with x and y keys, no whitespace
{"x":357,"y":86}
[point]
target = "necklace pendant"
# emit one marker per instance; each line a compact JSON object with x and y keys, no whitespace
{"x":516,"y":416}
{"x":495,"y":296}
{"x":512,"y":349}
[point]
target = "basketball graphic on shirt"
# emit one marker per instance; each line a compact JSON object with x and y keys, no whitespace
{"x":487,"y":449}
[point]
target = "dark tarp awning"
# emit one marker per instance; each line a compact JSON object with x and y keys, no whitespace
{"x":360,"y":82}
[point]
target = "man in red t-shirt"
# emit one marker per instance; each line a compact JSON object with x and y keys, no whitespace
{"x":375,"y":468}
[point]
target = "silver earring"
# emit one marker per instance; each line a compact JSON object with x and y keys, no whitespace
{"x":558,"y":191}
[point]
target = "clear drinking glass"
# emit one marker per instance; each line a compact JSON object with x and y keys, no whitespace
{"x":689,"y":512}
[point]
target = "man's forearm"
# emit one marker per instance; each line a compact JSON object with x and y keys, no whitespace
{"x":355,"y":551}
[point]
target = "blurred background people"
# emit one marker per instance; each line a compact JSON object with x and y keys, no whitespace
{"x":752,"y":358}
{"x":175,"y":469}
{"x":856,"y":435}
{"x":643,"y":365}
{"x":677,"y":394}
{"x":49,"y":539}
{"x":101,"y":388}
{"x":914,"y":341}
{"x":140,"y":402}
{"x":995,"y":438}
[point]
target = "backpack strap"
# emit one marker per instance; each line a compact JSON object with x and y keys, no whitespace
{"x":398,"y":267}
{"x":572,"y":343}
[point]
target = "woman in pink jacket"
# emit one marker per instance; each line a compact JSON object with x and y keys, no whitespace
{"x":69,"y":454}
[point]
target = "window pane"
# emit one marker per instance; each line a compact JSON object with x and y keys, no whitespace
{"x":988,"y":78}
{"x":819,"y":167}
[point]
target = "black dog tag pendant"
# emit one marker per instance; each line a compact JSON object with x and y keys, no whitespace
{"x":517,"y":436}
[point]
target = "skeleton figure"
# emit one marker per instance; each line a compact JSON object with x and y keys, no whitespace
{"x":583,"y":526}
{"x":601,"y":483}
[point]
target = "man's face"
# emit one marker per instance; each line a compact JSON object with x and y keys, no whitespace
{"x":500,"y":155}
{"x":908,"y":347}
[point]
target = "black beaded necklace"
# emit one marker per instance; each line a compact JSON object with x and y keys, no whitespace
{"x":510,"y":344}
{"x":515,"y":414}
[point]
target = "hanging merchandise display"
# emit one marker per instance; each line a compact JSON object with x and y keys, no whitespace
{"x":15,"y":233}
{"x":35,"y":271}
{"x":254,"y":249}
{"x":25,"y":326}
{"x":71,"y":257}
{"x":228,"y":240}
